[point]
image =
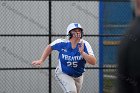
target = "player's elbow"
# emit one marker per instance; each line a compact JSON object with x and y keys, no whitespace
{"x":92,"y":61}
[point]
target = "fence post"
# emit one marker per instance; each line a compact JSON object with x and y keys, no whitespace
{"x":101,"y":46}
{"x":50,"y":72}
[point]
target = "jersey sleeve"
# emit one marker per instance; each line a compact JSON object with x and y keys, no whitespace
{"x":56,"y":45}
{"x":89,"y":49}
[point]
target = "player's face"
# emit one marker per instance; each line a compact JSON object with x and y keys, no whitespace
{"x":76,"y":33}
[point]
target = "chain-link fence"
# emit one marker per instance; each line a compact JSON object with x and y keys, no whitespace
{"x":27,"y":27}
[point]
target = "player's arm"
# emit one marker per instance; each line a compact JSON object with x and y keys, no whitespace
{"x":55,"y":45}
{"x":89,"y":58}
{"x":45,"y":54}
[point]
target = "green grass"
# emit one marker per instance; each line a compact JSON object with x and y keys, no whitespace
{"x":108,"y":83}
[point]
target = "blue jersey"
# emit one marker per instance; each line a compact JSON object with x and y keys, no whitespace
{"x":70,"y":60}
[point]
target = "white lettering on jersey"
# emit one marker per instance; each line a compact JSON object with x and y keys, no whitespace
{"x":71,"y":58}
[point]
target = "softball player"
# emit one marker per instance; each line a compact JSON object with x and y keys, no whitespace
{"x":74,"y":53}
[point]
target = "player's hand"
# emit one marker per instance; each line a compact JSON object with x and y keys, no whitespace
{"x":37,"y":63}
{"x":81,"y":47}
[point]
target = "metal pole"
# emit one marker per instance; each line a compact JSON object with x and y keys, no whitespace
{"x":50,"y":73}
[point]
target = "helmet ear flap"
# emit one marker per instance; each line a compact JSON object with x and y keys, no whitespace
{"x":70,"y":35}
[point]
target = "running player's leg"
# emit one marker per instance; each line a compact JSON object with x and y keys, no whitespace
{"x":78,"y":83}
{"x":66,"y":82}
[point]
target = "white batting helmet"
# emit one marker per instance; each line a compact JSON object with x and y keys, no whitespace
{"x":73,"y":26}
